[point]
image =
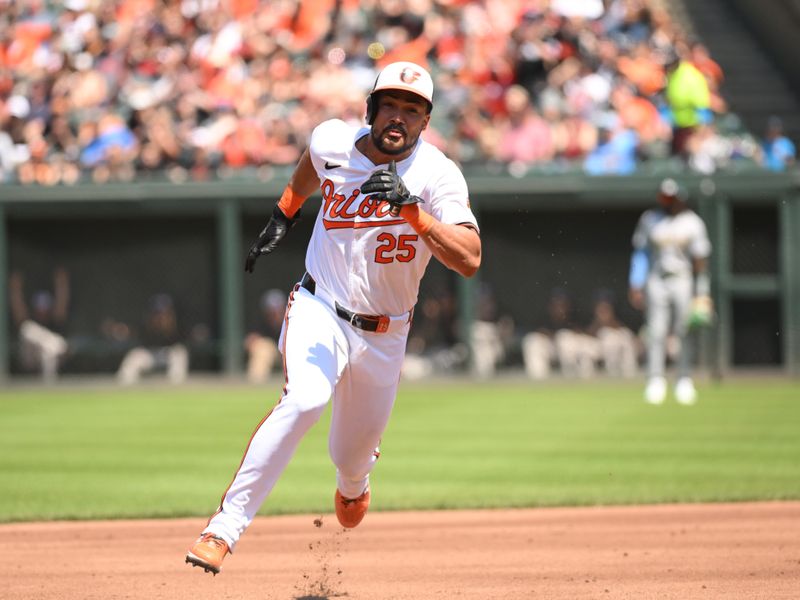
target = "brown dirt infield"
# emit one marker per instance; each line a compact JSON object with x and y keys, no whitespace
{"x":748,"y":551}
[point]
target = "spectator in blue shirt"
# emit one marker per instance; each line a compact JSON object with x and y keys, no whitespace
{"x":615,"y":153}
{"x":112,"y":132}
{"x":778,"y":153}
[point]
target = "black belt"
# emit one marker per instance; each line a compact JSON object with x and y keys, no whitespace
{"x":375,"y":323}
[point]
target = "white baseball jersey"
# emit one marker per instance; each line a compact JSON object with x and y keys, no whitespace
{"x":672,"y":240}
{"x":368,"y":260}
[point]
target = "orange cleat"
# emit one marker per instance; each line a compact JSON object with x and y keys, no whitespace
{"x":350,"y":511}
{"x":208,"y":552}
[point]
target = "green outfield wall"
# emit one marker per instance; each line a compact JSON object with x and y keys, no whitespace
{"x":121,"y":243}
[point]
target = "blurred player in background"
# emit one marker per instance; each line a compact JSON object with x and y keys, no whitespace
{"x":669,"y":279}
{"x":161,"y":345}
{"x":390,"y":201}
{"x":559,"y":341}
{"x":489,"y":335}
{"x":261,"y":344}
{"x":617,"y":344}
{"x":433,"y":342}
{"x":41,"y":325}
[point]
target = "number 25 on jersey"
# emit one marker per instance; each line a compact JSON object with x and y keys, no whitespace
{"x":399,"y":248}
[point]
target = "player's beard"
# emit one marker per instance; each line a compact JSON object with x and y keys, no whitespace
{"x":377,"y":139}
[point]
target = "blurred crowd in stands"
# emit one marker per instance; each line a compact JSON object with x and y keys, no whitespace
{"x":110,"y":90}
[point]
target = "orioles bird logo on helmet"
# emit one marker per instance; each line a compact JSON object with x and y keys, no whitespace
{"x":409,"y":76}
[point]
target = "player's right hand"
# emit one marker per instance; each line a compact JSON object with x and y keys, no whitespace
{"x":269,"y":238}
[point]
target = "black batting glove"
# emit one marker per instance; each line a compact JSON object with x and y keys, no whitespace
{"x":277,"y":227}
{"x":386,"y":183}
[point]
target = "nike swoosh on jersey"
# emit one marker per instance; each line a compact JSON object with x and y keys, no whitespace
{"x":329,"y":165}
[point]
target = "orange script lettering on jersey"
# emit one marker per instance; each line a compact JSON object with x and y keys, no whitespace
{"x":339,"y":213}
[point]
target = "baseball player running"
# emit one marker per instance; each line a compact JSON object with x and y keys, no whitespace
{"x":389,"y":202}
{"x":669,"y":277}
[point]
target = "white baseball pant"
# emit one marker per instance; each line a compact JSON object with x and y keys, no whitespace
{"x":324,"y":357}
{"x":43,"y":346}
{"x":668,"y":305}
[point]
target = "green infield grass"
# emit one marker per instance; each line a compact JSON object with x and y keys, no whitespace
{"x":102,"y":452}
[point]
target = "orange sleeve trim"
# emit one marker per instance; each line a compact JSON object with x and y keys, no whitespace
{"x":419,"y":220}
{"x":290,"y":202}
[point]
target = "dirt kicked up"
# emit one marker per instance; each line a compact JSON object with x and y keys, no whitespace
{"x":724,"y":551}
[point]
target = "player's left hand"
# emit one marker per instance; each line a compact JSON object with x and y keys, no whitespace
{"x":390,"y":187}
{"x":702,"y":312}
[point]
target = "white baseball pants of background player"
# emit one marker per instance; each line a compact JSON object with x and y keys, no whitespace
{"x":668,"y":303}
{"x":325,"y":358}
{"x":44,"y":346}
{"x":618,"y":351}
{"x":140,"y":360}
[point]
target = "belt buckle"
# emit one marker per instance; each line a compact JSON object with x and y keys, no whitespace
{"x":383,"y":324}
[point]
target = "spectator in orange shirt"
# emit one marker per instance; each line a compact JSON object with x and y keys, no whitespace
{"x":639,"y":114}
{"x":642,"y":69}
{"x":246,"y":146}
{"x":26,"y":38}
